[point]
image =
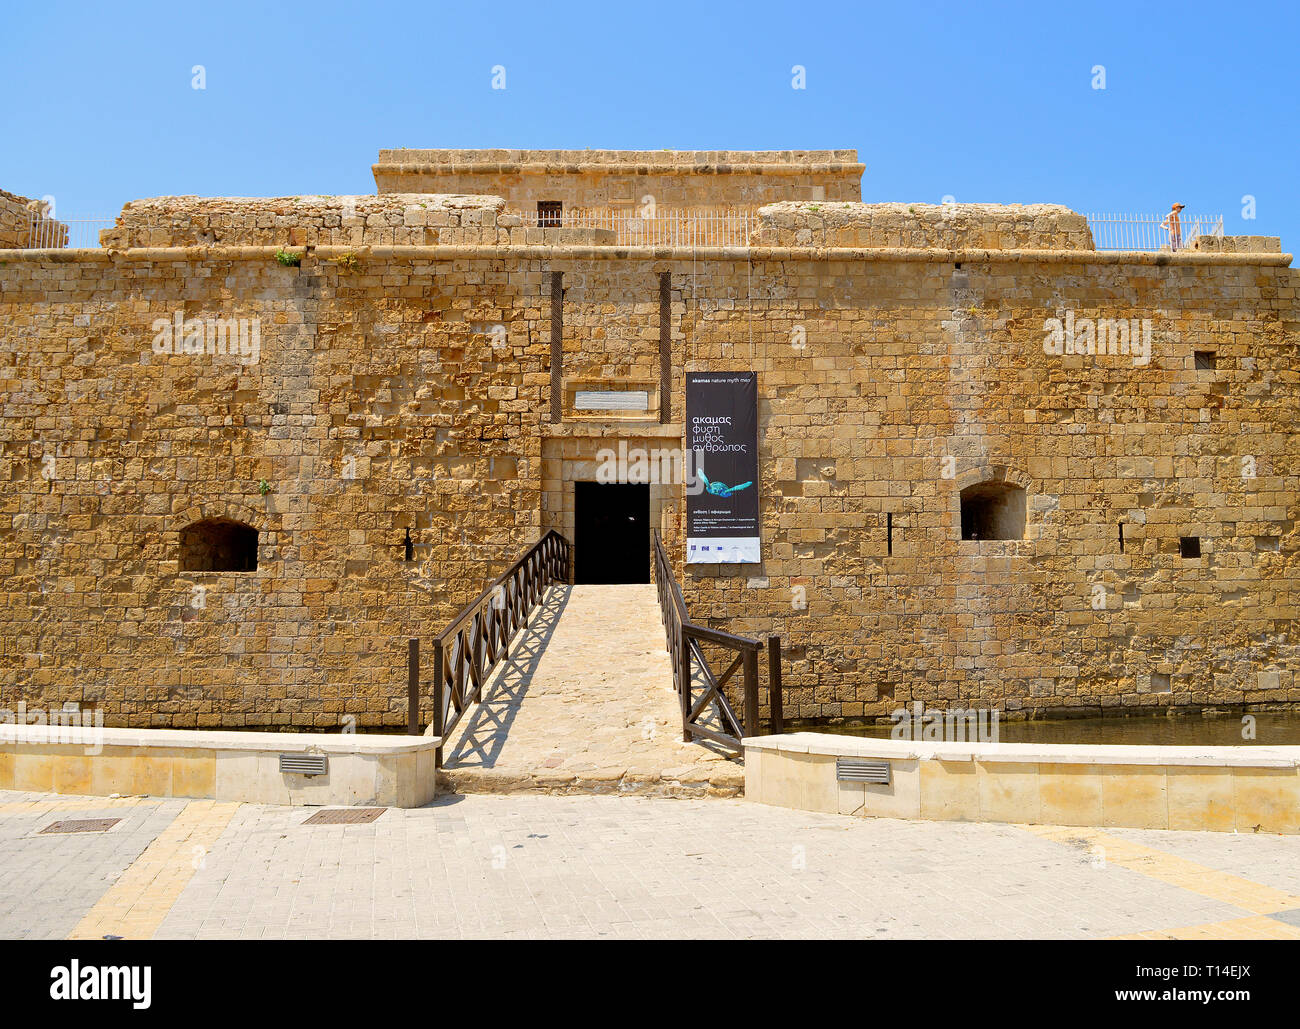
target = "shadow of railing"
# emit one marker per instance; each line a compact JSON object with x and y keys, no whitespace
{"x":485,"y":733}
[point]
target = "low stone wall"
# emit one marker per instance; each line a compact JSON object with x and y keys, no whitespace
{"x":395,"y":219}
{"x":378,"y":770}
{"x":1221,"y":789}
{"x":1238,"y":244}
{"x":412,"y":219}
{"x":19,"y":230}
{"x":924,"y":226}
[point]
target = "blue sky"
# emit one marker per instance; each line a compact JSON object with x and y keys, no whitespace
{"x":978,"y":101}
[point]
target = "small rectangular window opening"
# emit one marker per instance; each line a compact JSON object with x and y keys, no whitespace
{"x":1189,"y":546}
{"x":550,"y":214}
{"x":1206,"y":360}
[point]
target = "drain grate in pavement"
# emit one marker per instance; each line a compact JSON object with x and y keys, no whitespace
{"x":345,"y":816}
{"x":82,"y":825}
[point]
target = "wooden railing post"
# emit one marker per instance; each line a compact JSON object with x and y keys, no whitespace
{"x":775,"y":701}
{"x":438,"y":698}
{"x":750,"y":664}
{"x":684,"y":671}
{"x":413,"y":687}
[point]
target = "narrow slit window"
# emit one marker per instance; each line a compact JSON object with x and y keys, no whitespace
{"x":889,"y":532}
{"x":1121,"y":537}
{"x":410,"y":547}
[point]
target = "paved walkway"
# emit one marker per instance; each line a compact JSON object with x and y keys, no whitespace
{"x":586,"y":706}
{"x":529,"y":865}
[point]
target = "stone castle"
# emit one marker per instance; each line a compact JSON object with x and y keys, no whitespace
{"x":249,"y":447}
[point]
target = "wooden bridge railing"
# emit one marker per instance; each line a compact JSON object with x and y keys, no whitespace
{"x":476,"y":640}
{"x":685,"y":643}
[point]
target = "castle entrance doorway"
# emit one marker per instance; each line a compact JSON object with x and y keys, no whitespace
{"x":611,"y":532}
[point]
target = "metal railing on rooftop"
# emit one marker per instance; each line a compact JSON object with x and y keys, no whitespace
{"x":1151,"y":232}
{"x":709,"y":227}
{"x":56,"y":234}
{"x":656,"y":226}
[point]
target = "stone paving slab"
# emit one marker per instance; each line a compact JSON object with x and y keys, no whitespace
{"x":1262,"y":857}
{"x":587,"y":706}
{"x":47,"y":882}
{"x":532,"y":865}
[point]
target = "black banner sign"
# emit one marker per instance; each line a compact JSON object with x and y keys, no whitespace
{"x":722,"y":494}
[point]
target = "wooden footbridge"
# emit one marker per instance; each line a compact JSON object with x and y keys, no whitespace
{"x":536,"y":679}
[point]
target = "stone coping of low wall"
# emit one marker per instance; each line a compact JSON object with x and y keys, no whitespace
{"x":210,"y":739}
{"x":649,"y":253}
{"x":834,"y":745}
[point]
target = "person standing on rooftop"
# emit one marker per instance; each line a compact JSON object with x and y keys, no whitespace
{"x":1175,"y":226}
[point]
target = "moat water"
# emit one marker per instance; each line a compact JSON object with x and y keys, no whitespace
{"x":1270,"y":728}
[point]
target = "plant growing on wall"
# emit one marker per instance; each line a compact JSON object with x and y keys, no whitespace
{"x":264,"y":487}
{"x":288,"y":259}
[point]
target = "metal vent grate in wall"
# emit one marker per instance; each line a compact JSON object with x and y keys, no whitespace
{"x":304,"y":764}
{"x":851,"y":769}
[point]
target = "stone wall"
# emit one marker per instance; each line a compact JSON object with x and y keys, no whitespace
{"x":1238,"y":244}
{"x":887,"y":386}
{"x":603,"y":178}
{"x":395,"y":219}
{"x":400,"y":389}
{"x":377,"y":404}
{"x":23,"y":224}
{"x":925,"y":226}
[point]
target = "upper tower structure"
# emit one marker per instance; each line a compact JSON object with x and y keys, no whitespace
{"x":625,"y":178}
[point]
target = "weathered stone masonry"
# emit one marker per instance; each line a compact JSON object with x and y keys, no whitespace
{"x":900,"y":352}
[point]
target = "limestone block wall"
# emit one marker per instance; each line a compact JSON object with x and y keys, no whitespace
{"x":396,"y":219}
{"x":410,"y":389}
{"x":23,"y":224}
{"x":887,"y":386}
{"x":381,"y":402}
{"x":416,"y":219}
{"x":601,"y":178}
{"x":927,"y":226}
{"x":1238,"y":244}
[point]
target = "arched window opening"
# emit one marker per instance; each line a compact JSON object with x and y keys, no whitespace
{"x":218,"y":545}
{"x":993,"y":511}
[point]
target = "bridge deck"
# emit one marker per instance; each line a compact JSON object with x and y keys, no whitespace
{"x":586,"y":705}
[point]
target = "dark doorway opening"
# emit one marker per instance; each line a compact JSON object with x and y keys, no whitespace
{"x":611,"y":532}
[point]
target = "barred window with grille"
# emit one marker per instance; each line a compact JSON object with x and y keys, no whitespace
{"x":550,"y":214}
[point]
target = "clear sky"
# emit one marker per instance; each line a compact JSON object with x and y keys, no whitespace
{"x":978,"y":101}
